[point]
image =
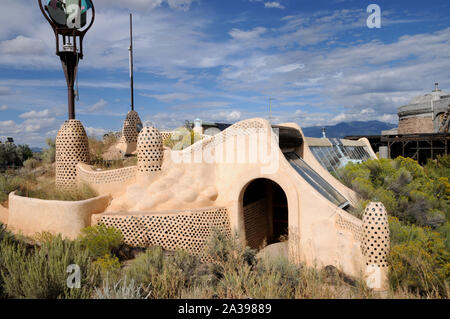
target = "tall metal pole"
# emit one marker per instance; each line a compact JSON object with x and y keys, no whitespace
{"x":131,"y":62}
{"x":270,"y":109}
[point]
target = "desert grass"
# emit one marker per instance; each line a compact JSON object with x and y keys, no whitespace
{"x":236,"y":273}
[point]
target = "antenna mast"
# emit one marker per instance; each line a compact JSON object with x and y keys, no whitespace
{"x":270,"y":109}
{"x":130,"y":49}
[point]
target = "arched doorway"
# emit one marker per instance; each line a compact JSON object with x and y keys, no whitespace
{"x":265,"y":213}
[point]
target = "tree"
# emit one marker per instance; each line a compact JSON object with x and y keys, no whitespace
{"x":11,"y":154}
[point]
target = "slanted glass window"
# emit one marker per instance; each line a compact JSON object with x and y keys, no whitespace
{"x":317,"y":181}
{"x":336,"y":156}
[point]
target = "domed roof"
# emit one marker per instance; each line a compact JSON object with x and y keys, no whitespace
{"x":436,"y":94}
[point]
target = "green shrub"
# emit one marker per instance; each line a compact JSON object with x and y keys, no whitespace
{"x":100,"y":240}
{"x":44,"y":237}
{"x":165,"y":277}
{"x":42,"y":273}
{"x":240,"y":275}
{"x":418,"y":198}
{"x":409,"y":191}
{"x":114,"y":164}
{"x":222,"y":250}
{"x":11,"y":154}
{"x":109,"y":266}
{"x":419,"y":259}
{"x":5,"y":237}
{"x":9,"y":184}
{"x":5,"y":234}
{"x":181,"y":138}
{"x":31,"y":163}
{"x":49,"y":154}
{"x":49,"y":191}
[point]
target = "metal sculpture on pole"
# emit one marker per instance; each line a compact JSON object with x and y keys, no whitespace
{"x":68,"y":19}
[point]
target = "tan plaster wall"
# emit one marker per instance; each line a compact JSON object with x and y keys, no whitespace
{"x":368,"y":147}
{"x":414,"y":125}
{"x":29,"y":216}
{"x":106,"y":182}
{"x":3,"y":215}
{"x":126,"y":148}
{"x":176,"y":186}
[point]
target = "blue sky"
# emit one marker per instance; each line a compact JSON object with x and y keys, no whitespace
{"x":222,"y":61}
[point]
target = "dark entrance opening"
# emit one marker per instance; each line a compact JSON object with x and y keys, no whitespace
{"x":265,"y":213}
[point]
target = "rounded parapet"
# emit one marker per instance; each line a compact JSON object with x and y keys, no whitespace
{"x":376,"y":244}
{"x":30,"y":216}
{"x":129,"y":129}
{"x":72,"y":147}
{"x":150,"y":150}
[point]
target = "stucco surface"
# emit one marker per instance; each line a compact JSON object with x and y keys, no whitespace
{"x":3,"y":215}
{"x":29,"y":216}
{"x":107,"y":181}
{"x":176,"y":186}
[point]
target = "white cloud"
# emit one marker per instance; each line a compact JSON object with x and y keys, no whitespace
{"x":35,"y":114}
{"x":234,"y":116}
{"x":259,"y":61}
{"x":273,"y":4}
{"x":180,"y":4}
{"x":247,"y":35}
{"x":100,"y":105}
{"x":145,"y":4}
{"x":30,"y":131}
{"x":3,"y":107}
{"x":170,"y":97}
{"x":23,"y":45}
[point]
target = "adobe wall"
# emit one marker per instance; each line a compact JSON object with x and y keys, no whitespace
{"x":108,"y":181}
{"x":29,"y":216}
{"x":3,"y":215}
{"x":413,"y":125}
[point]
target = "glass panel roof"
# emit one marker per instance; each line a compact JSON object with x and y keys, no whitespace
{"x":336,"y":156}
{"x":316,"y":181}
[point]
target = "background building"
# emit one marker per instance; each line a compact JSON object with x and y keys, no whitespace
{"x":424,"y":114}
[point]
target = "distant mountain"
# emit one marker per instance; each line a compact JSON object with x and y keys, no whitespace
{"x":349,"y":128}
{"x":36,"y":149}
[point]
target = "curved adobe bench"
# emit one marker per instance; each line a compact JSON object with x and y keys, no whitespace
{"x":29,"y":216}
